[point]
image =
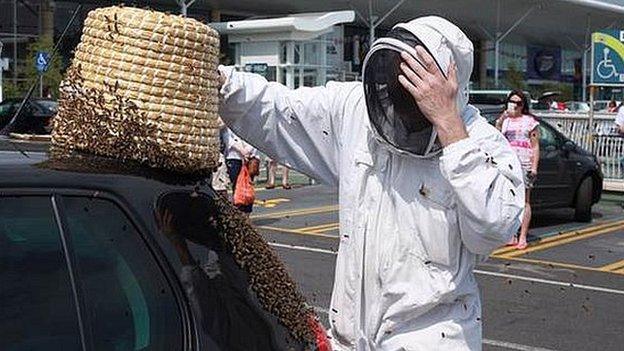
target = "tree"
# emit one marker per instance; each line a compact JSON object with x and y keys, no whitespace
{"x":51,"y":78}
{"x":514,"y":78}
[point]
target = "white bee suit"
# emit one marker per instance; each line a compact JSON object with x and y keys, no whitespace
{"x":411,"y":229}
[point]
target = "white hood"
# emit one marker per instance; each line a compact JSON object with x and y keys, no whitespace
{"x":446,"y":42}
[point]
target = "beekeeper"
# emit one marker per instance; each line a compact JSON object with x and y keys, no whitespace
{"x":426,"y":185}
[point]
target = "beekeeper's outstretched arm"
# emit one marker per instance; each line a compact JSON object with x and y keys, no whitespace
{"x":477,"y":161}
{"x":297,"y":126}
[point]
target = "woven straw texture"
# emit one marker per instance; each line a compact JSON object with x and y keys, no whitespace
{"x":143,"y":86}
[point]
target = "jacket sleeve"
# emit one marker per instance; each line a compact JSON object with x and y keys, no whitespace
{"x":299,"y":127}
{"x":487,"y":179}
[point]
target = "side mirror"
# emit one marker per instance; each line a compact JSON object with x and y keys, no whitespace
{"x":568,"y":146}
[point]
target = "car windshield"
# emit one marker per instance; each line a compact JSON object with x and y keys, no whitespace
{"x":7,"y":108}
{"x":477,"y":98}
{"x":232,"y":277}
{"x":48,"y":105}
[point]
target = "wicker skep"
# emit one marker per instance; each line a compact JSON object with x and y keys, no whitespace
{"x":143,"y":86}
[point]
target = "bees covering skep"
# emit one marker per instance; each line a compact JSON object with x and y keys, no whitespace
{"x":142,"y":86}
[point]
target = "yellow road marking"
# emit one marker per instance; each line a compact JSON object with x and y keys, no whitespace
{"x":615,"y":266}
{"x":619,"y":271}
{"x":561,"y":239}
{"x":270,"y":203}
{"x":299,"y":212}
{"x":319,"y":228}
{"x":564,"y":235}
{"x":326,"y":229}
{"x":295,"y":231}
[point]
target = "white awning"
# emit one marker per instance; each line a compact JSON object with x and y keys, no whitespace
{"x":294,"y":27}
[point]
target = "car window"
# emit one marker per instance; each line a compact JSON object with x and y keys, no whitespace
{"x":219,"y":284}
{"x":7,"y":108}
{"x":487,"y":98}
{"x":36,"y":299}
{"x":48,"y":106}
{"x":129,"y":304}
{"x":548,"y":139}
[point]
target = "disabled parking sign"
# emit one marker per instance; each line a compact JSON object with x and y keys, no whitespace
{"x":608,"y":58}
{"x":41,"y":61}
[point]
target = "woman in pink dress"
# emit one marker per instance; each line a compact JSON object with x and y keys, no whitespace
{"x":519,"y":126}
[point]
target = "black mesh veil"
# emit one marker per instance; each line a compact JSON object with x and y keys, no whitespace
{"x":392,"y":110}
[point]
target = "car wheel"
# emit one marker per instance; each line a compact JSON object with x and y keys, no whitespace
{"x":583,"y":204}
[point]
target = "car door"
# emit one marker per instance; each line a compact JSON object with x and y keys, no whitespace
{"x":7,"y":110}
{"x":231,"y":314}
{"x":37,"y":305}
{"x":127,"y":302}
{"x":551,"y":187}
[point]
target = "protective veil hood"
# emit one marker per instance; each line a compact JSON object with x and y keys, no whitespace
{"x":395,"y":118}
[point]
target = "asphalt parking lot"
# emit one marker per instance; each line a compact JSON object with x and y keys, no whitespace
{"x":565,"y":292}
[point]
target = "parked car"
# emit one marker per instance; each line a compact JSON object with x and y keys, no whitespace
{"x":568,"y":175}
{"x":577,"y":106}
{"x":103,"y":255}
{"x":36,"y":115}
{"x":601,"y":106}
{"x":492,"y":97}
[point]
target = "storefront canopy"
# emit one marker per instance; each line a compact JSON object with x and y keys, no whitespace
{"x":555,"y":22}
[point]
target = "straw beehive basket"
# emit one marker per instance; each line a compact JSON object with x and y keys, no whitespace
{"x":143,"y":86}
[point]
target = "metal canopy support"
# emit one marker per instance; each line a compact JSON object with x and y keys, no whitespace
{"x":1,"y":72}
{"x":14,"y":41}
{"x":323,"y":72}
{"x":585,"y":52}
{"x":290,"y":64}
{"x":500,"y":37}
{"x":394,"y":8}
{"x":184,"y":5}
{"x":301,"y":63}
{"x":373,"y":23}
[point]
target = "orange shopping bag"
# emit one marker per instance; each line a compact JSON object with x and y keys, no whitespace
{"x":245,"y":194}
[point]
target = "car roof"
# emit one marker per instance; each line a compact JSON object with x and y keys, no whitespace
{"x":30,"y":165}
{"x":31,"y":99}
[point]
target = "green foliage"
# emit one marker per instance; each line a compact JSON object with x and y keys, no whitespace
{"x":51,"y":78}
{"x":514,"y":78}
{"x":10,"y":90}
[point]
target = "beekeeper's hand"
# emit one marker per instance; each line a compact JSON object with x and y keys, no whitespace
{"x":435,"y":95}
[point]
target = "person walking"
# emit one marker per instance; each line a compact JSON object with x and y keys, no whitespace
{"x":612,"y":107}
{"x":425,"y":184}
{"x":272,"y":170}
{"x":237,"y":154}
{"x":619,"y":121}
{"x":519,"y":127}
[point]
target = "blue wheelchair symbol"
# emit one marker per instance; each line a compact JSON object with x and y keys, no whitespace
{"x":41,"y":61}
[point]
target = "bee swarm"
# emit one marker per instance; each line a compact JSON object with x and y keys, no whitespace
{"x":143,"y":86}
{"x":269,"y":279}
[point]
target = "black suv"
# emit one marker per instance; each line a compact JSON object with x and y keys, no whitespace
{"x":568,"y":175}
{"x":36,"y":115}
{"x":97,"y":254}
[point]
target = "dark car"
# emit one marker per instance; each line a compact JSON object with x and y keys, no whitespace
{"x":35,"y":117}
{"x":568,"y":175}
{"x":96,"y":254}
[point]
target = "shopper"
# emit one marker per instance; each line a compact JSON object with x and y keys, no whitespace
{"x":272,"y":170}
{"x":519,"y":126}
{"x":619,"y":121}
{"x":237,"y":152}
{"x":612,"y":106}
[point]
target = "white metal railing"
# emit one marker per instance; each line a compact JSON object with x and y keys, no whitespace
{"x":602,"y":138}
